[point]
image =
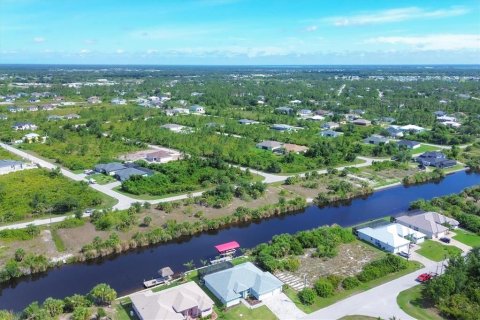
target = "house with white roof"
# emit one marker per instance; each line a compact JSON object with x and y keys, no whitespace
{"x":412,"y":128}
{"x":197,"y":109}
{"x":240,"y":282}
{"x":186,"y":301}
{"x":173,"y":127}
{"x":393,"y":237}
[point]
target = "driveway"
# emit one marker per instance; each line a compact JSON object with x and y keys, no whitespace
{"x":283,"y":307}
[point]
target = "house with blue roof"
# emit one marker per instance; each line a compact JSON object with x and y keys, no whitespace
{"x":242,"y":281}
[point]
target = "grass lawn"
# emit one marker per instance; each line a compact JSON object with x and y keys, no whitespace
{"x":101,"y":178}
{"x":454,"y":168}
{"x":340,"y":295}
{"x":412,"y":303}
{"x":469,"y":238}
{"x":436,"y":251}
{"x":59,"y":244}
{"x":242,"y":312}
{"x":424,"y":148}
{"x":122,"y":310}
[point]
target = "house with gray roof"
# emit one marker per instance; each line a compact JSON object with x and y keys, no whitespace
{"x":270,"y":145}
{"x":408,"y":144}
{"x":282,"y":127}
{"x":284,"y":110}
{"x":247,"y":121}
{"x":244,"y":280}
{"x":186,"y":301}
{"x":376,"y":139}
{"x":109,"y":168}
{"x":432,"y":224}
{"x":330,"y":133}
{"x":125,"y":174}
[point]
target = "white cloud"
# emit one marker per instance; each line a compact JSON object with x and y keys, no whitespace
{"x":234,"y":51}
{"x":170,"y":33}
{"x":433,"y":42}
{"x":311,"y":28}
{"x":84,"y":51}
{"x":395,"y":15}
{"x":39,"y":39}
{"x":120,"y":51}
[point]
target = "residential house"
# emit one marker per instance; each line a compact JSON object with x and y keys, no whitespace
{"x":446,"y":118}
{"x":395,"y":132}
{"x":176,"y":111}
{"x":159,"y":156}
{"x":387,"y":119}
{"x":294,"y":148}
{"x":109,"y":168}
{"x":393,"y":237}
{"x":48,"y":107}
{"x":3,"y":117}
{"x":304,"y":113}
{"x":440,"y":113}
{"x":247,"y":121}
{"x":185,"y":301}
{"x":410,"y":128}
{"x":71,"y":116}
{"x":32,"y":108}
{"x":435,"y":159}
{"x":24,"y":126}
{"x":242,"y":281}
{"x":197,"y":109}
{"x":330,"y":125}
{"x":376,"y":139}
{"x":31,"y":137}
{"x":284,"y":110}
{"x":324,"y":113}
{"x":94,"y":100}
{"x":270,"y":145}
{"x":362,"y":122}
{"x":54,"y":117}
{"x":118,"y":101}
{"x":173,"y":127}
{"x":330,"y":133}
{"x":127,"y":173}
{"x":408,"y":144}
{"x":452,"y":124}
{"x":432,"y":224}
{"x":282,"y":127}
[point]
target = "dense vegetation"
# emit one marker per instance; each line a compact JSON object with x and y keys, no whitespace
{"x":456,"y":293}
{"x":463,"y":207}
{"x":36,"y":192}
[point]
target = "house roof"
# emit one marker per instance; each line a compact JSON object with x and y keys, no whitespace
{"x":429,"y":221}
{"x":227,"y":246}
{"x":387,"y":234}
{"x":330,"y":133}
{"x":408,"y":143}
{"x":362,"y":121}
{"x":169,"y":303}
{"x":247,"y":121}
{"x":281,"y":126}
{"x":376,"y":138}
{"x":231,"y":282}
{"x":269,"y":144}
{"x":109,"y":167}
{"x":412,"y":127}
{"x":126,"y":173}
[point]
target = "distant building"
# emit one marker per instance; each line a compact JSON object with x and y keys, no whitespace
{"x":247,"y":121}
{"x":3,"y":117}
{"x":270,"y":145}
{"x":173,"y":127}
{"x":159,"y":156}
{"x":330,"y":133}
{"x":197,"y":109}
{"x":109,"y":168}
{"x":304,"y":113}
{"x":31,"y":137}
{"x":408,"y":144}
{"x":362,"y":122}
{"x":395,"y":132}
{"x":127,"y":173}
{"x":72,"y":116}
{"x":176,"y":111}
{"x":376,"y":139}
{"x":94,"y":100}
{"x":294,"y":148}
{"x":20,"y":126}
{"x":284,"y":110}
{"x":412,"y":128}
{"x":282,"y":127}
{"x":118,"y":101}
{"x":435,"y":159}
{"x":330,"y":125}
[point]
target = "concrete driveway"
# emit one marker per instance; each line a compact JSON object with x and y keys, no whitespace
{"x":283,"y":307}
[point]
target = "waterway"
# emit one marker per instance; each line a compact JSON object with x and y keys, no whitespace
{"x":126,"y":272}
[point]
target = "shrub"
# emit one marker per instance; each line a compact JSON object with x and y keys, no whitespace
{"x":324,"y":288}
{"x":335,"y":280}
{"x":291,"y":264}
{"x":350,"y":283}
{"x":307,"y":296}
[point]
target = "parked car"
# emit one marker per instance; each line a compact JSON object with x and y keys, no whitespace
{"x":424,"y":277}
{"x":404,"y":254}
{"x":88,"y":211}
{"x":445,"y":239}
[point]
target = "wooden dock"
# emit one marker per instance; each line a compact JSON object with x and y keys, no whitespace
{"x":154,"y":282}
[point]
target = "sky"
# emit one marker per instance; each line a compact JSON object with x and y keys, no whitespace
{"x":240,"y":32}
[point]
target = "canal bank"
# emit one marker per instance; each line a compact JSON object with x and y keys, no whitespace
{"x":126,"y":272}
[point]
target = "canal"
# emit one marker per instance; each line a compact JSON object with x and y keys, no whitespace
{"x":126,"y":272}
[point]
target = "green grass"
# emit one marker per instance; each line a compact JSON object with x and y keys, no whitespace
{"x":436,"y":251}
{"x":101,"y":178}
{"x":59,"y":244}
{"x":122,"y":310}
{"x":242,"y":312}
{"x":6,"y":155}
{"x":412,"y":303}
{"x":424,"y":148}
{"x":342,"y":294}
{"x":469,"y":238}
{"x":454,"y":168}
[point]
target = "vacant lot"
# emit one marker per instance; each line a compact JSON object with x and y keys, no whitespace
{"x":469,"y":238}
{"x":411,"y":302}
{"x":350,"y":260}
{"x":43,"y":244}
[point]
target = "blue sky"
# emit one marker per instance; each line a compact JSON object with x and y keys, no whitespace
{"x":239,"y":31}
